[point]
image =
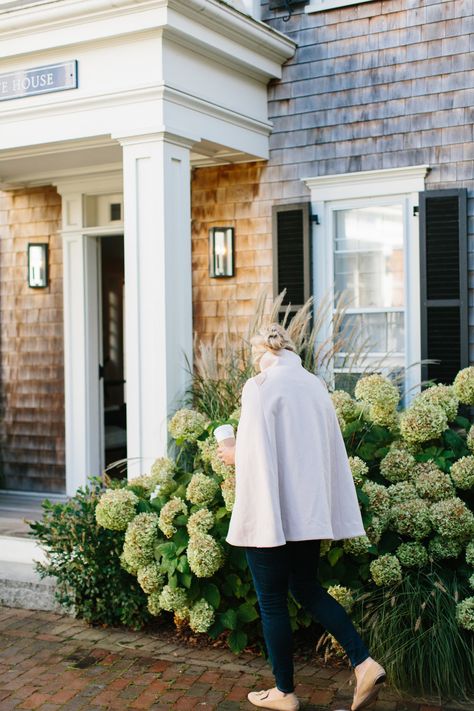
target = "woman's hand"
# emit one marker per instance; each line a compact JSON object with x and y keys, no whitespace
{"x":226,"y":453}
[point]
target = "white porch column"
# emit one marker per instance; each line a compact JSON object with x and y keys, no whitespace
{"x":158,"y":294}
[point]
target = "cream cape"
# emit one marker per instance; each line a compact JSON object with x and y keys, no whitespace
{"x":293,"y":480}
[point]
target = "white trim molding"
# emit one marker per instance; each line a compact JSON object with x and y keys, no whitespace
{"x":321,"y":5}
{"x":330,"y":193}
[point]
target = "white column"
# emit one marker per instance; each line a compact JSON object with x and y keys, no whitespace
{"x":158,"y":293}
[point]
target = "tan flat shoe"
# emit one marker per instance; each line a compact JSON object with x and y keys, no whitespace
{"x":369,"y":686}
{"x":274,"y":699}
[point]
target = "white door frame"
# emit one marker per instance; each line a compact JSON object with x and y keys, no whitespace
{"x":82,"y":319}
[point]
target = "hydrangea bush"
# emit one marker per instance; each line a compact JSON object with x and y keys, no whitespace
{"x":414,"y":476}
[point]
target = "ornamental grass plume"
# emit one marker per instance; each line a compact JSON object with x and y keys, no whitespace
{"x":359,"y":470}
{"x":200,"y":522}
{"x":397,"y":465}
{"x":465,"y":613}
{"x":441,"y":547}
{"x":151,"y":579}
{"x":357,"y":546}
{"x":463,"y":386}
{"x":173,"y":599}
{"x":201,"y":616}
{"x":343,"y":595}
{"x":201,"y":489}
{"x":462,"y":472}
{"x":205,"y":555}
{"x":209,"y":454}
{"x":116,"y":508}
{"x":412,"y":518}
{"x":228,"y":492}
{"x":173,"y":508}
{"x":453,"y":519}
{"x":187,"y":425}
{"x":442,"y":395}
{"x":386,"y":570}
{"x":140,"y":538}
{"x":432,"y":483}
{"x":412,"y":554}
{"x":423,"y":421}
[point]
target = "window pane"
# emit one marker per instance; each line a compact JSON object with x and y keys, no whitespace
{"x":378,"y":333}
{"x":368,"y":256}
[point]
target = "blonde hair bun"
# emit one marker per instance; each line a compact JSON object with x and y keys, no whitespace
{"x":274,"y":337}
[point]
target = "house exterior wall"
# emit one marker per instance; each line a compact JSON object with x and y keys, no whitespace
{"x":371,"y":86}
{"x":31,"y":346}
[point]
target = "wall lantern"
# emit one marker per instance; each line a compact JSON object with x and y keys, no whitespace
{"x":37,"y":265}
{"x":221,"y":252}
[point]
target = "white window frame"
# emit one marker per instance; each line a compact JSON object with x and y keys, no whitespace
{"x":360,"y":189}
{"x":321,"y":5}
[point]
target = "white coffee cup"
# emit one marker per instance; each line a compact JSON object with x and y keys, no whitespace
{"x":224,"y":432}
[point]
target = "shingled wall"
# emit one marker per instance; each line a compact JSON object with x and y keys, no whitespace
{"x":31,"y":346}
{"x":373,"y":85}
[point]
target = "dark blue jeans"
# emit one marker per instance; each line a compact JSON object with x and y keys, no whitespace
{"x":294,"y":567}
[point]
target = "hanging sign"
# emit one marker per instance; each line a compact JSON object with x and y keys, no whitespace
{"x":39,"y":80}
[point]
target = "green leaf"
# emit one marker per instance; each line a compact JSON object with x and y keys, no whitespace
{"x":237,"y":641}
{"x":334,"y":554}
{"x":462,"y":422}
{"x":212,"y":595}
{"x":183,"y":565}
{"x":215,"y":629}
{"x":229,"y":619}
{"x":362,"y":496}
{"x":247,"y":612}
{"x":186,"y":579}
{"x":166,"y":550}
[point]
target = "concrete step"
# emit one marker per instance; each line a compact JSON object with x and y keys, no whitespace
{"x":20,"y":584}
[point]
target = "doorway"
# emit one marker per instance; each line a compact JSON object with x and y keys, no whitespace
{"x":112,"y":370}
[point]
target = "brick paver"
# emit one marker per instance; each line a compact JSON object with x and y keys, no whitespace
{"x":52,"y":662}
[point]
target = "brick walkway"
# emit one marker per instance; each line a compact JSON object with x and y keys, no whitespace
{"x":50,"y":661}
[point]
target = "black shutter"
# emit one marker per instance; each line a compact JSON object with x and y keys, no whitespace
{"x":291,"y":254}
{"x":444,"y":299}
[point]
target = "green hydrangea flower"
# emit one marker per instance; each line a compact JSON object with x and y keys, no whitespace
{"x":452,"y":518}
{"x":432,"y":483}
{"x":465,"y":614}
{"x":442,"y":395}
{"x":386,"y":570}
{"x":174,"y":507}
{"x":343,"y":595}
{"x":153,"y":604}
{"x":470,"y":438}
{"x":325,"y":546}
{"x":464,"y":386}
{"x":209,"y":454}
{"x":377,"y":390}
{"x":200,"y":522}
{"x":423,"y":421}
{"x":379,"y":498}
{"x":471,"y":581}
{"x":187,"y":425}
{"x":401,"y":492}
{"x":201,"y":489}
{"x":201,"y":616}
{"x":162,"y":475}
{"x":346,"y":408}
{"x":235,"y":414}
{"x":384,"y":416}
{"x":116,"y":508}
{"x":441,"y":547}
{"x":205,"y":555}
{"x":140,"y":538}
{"x":228,"y":492}
{"x":172,"y":599}
{"x":375,"y":528}
{"x":412,"y":518}
{"x":470,"y":553}
{"x":462,"y":472}
{"x":150,"y":578}
{"x":412,"y":554}
{"x":359,"y":470}
{"x":356,"y":546}
{"x":397,"y":465}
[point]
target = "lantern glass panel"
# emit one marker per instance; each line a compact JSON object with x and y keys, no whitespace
{"x":37,"y":265}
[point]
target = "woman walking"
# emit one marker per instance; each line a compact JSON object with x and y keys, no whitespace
{"x":294,"y":488}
